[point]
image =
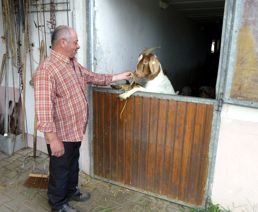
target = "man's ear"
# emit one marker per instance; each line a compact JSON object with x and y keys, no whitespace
{"x":63,"y":42}
{"x":154,"y":64}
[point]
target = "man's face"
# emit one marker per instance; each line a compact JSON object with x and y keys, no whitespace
{"x":72,"y":45}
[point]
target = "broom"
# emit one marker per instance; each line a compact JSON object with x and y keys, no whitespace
{"x":36,"y":179}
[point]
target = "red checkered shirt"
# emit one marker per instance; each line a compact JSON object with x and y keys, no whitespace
{"x":60,"y":96}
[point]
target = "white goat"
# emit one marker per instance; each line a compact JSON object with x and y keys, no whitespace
{"x":148,"y":68}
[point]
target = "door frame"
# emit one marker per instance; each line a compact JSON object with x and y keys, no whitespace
{"x":230,"y":12}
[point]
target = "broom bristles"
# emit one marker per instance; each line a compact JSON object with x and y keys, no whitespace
{"x":38,"y":175}
{"x":37,"y":180}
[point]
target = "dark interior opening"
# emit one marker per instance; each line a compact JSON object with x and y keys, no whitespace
{"x":207,"y":16}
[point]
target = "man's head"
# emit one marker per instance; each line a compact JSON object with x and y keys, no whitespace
{"x":64,"y":40}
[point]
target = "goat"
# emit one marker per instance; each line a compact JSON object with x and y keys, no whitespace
{"x":148,"y":68}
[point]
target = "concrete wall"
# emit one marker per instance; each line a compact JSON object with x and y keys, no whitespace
{"x":236,"y":176}
{"x":123,"y":28}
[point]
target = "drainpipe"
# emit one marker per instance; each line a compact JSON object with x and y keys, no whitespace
{"x":90,"y":65}
{"x":90,"y":31}
{"x":6,"y":97}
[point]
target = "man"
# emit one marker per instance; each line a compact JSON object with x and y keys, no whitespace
{"x":62,"y":114}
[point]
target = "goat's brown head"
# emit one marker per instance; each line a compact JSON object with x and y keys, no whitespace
{"x":148,"y":66}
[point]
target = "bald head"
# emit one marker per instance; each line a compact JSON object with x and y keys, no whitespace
{"x":64,"y":40}
{"x":60,"y":32}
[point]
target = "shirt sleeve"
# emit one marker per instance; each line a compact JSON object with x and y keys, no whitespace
{"x":44,"y":88}
{"x":95,"y":78}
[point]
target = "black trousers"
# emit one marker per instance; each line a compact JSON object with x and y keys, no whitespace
{"x":64,"y":174}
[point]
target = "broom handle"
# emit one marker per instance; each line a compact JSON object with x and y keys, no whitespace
{"x":42,"y":50}
{"x":35,"y":137}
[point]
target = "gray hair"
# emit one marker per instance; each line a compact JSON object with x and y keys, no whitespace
{"x":61,"y":31}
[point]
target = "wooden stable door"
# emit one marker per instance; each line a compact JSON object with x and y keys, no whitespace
{"x":155,"y":145}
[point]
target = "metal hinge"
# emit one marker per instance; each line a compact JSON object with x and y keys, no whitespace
{"x":220,"y":102}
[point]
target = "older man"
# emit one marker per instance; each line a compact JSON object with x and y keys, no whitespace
{"x":62,"y":114}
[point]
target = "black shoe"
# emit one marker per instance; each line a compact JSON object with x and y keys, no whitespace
{"x":65,"y":208}
{"x":79,"y":197}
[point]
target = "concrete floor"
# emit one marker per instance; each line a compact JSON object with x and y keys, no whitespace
{"x":105,"y":197}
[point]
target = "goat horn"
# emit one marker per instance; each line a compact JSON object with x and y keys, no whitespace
{"x":147,"y":51}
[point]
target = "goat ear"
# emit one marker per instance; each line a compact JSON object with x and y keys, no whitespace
{"x":139,"y":67}
{"x":140,"y":57}
{"x":154,"y":65}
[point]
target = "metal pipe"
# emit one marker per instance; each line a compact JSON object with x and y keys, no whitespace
{"x":67,"y":13}
{"x":57,"y":10}
{"x":90,"y":65}
{"x":44,"y":4}
{"x":6,"y":95}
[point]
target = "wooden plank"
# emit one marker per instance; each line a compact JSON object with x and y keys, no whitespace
{"x":96,"y":138}
{"x":144,"y":144}
{"x":205,"y":155}
{"x":151,"y":155}
{"x":161,"y":143}
{"x":169,"y":147}
{"x":113,"y":138}
{"x":107,"y":151}
{"x":186,"y":153}
{"x":128,"y":136}
{"x":178,"y":148}
{"x":100,"y":131}
{"x":193,"y":191}
{"x":136,"y":154}
{"x":121,"y":147}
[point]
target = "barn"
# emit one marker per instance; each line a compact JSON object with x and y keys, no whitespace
{"x":191,"y":148}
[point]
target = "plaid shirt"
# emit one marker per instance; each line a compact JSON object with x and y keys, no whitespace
{"x":60,"y":96}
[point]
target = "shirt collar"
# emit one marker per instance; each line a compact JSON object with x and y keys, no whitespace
{"x":59,"y":56}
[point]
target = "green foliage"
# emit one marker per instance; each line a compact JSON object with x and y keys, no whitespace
{"x":106,"y":210}
{"x":211,"y":208}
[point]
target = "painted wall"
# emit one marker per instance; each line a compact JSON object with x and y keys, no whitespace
{"x":76,"y":17}
{"x":236,"y":176}
{"x":123,"y":28}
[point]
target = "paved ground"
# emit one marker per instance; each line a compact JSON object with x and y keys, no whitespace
{"x":14,"y":196}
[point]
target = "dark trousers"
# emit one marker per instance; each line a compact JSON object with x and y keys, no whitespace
{"x":64,"y":173}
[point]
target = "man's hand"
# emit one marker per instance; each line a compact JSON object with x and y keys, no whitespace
{"x":122,"y":76}
{"x":56,"y":146}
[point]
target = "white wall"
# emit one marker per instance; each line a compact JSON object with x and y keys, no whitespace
{"x":76,"y":18}
{"x":2,"y":45}
{"x":236,"y":175}
{"x":37,"y":34}
{"x":11,"y":81}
